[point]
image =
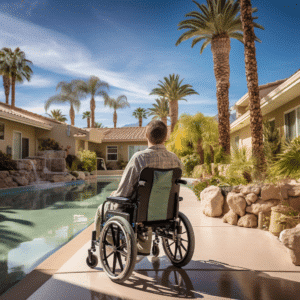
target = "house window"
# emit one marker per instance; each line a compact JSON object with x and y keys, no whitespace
{"x":112,"y":152}
{"x":237,"y":142}
{"x":292,"y":124}
{"x":1,"y":131}
{"x":135,"y":148}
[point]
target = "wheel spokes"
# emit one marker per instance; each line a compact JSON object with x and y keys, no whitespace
{"x":120,"y":260}
{"x":183,"y":247}
{"x":114,"y":262}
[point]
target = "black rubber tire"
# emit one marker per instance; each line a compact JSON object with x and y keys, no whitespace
{"x":190,"y":247}
{"x":155,"y":250}
{"x":94,"y":261}
{"x":131,"y":248}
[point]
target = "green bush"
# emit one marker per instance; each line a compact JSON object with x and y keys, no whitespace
{"x":122,"y":164}
{"x":189,"y":163}
{"x":198,"y":188}
{"x":6,"y":162}
{"x":207,"y":157}
{"x":220,"y":156}
{"x":288,"y":163}
{"x":88,"y":159}
{"x":49,"y":144}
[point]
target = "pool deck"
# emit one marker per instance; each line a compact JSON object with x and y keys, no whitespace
{"x":229,"y":262}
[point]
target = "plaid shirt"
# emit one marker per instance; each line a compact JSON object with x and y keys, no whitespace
{"x":156,"y":156}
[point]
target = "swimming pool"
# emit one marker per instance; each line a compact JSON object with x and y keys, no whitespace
{"x":36,"y":221}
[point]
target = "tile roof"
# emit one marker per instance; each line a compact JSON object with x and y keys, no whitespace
{"x":125,"y":134}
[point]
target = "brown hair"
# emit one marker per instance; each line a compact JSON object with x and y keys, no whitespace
{"x":156,"y":132}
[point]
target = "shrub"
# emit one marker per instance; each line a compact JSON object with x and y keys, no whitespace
{"x":189,"y":163}
{"x":6,"y":162}
{"x":88,"y":159}
{"x":198,"y":188}
{"x":207,"y":158}
{"x":220,"y":156}
{"x":122,"y":164}
{"x":49,"y":144}
{"x":288,"y":163}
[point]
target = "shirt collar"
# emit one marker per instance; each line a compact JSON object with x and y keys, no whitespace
{"x":160,"y":146}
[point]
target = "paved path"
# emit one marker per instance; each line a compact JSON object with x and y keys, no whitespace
{"x":229,"y":263}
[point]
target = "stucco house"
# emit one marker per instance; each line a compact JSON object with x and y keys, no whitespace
{"x":21,"y":130}
{"x":120,"y":144}
{"x":280,"y":105}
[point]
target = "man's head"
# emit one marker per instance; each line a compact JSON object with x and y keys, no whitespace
{"x":156,"y":132}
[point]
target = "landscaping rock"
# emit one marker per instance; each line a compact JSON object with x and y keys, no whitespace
{"x":8,"y":180}
{"x":3,"y":174}
{"x":248,"y":220}
{"x":237,"y":203}
{"x":81,"y":176}
{"x":236,"y":189}
{"x":269,"y":192}
{"x":226,"y":208}
{"x":87,"y":174}
{"x":291,"y":239}
{"x":3,"y":185}
{"x":58,"y":164}
{"x":230,"y":218}
{"x":212,"y":201}
{"x":20,"y":180}
{"x":284,"y":188}
{"x":261,"y":206}
{"x":250,"y":198}
{"x":294,"y":202}
{"x":250,"y":189}
{"x":294,"y":191}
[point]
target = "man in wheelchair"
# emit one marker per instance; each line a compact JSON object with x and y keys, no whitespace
{"x":148,"y":197}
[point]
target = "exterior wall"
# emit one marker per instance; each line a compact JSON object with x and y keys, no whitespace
{"x":245,"y":134}
{"x":26,"y":130}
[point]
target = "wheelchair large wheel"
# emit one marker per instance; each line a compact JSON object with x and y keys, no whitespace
{"x":180,"y":252}
{"x":118,"y":249}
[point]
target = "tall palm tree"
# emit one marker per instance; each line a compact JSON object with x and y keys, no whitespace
{"x":99,"y":125}
{"x":15,"y":66}
{"x":67,"y":94}
{"x":160,"y":110}
{"x":120,"y":102}
{"x":87,"y":115}
{"x":256,"y":125}
{"x":215,"y":24}
{"x":5,"y":72}
{"x":94,"y":87}
{"x":173,"y":90}
{"x":140,"y":113}
{"x":57,"y":115}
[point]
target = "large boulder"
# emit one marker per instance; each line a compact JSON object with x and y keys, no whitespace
{"x":294,"y":202}
{"x":3,"y":174}
{"x":248,"y":220}
{"x":250,"y":189}
{"x":250,"y":198}
{"x":237,"y":203}
{"x":81,"y":176}
{"x":270,"y":192}
{"x":20,"y":180}
{"x":212,"y":201}
{"x":294,"y":191}
{"x":58,"y":165}
{"x":261,"y":206}
{"x":230,"y":218}
{"x":291,"y":239}
{"x":3,"y":185}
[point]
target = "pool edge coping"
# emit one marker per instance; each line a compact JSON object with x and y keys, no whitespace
{"x":45,"y":270}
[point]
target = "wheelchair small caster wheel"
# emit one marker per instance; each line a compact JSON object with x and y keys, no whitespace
{"x":93,"y":263}
{"x":155,"y":250}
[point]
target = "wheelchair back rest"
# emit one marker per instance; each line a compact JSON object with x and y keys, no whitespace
{"x":158,"y":198}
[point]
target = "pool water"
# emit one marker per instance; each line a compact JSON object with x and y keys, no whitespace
{"x":36,"y":221}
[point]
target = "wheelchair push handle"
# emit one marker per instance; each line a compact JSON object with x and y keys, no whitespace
{"x":180,"y":181}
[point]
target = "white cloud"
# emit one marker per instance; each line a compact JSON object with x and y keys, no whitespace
{"x":38,"y":81}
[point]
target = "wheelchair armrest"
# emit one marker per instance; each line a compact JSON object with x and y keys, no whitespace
{"x":180,"y":198}
{"x":118,"y":199}
{"x":180,"y":181}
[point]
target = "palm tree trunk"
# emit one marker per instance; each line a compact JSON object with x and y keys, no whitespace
{"x":173,"y":113}
{"x":220,"y":48}
{"x":6,"y":85}
{"x":200,"y":151}
{"x":115,"y":119}
{"x":252,"y":83}
{"x":140,"y":122}
{"x":72,"y":115}
{"x":164,"y":120}
{"x":88,"y":122}
{"x":93,"y":106}
{"x":13,"y":91}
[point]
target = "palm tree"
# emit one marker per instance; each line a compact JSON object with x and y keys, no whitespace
{"x":160,"y":110}
{"x":256,"y":125}
{"x":68,"y":94}
{"x":215,"y":24}
{"x":94,"y":87}
{"x":120,"y":102}
{"x":15,"y":66}
{"x":5,"y":72}
{"x":87,"y":115}
{"x":57,"y":115}
{"x":99,"y":125}
{"x":140,"y":113}
{"x":172,"y":89}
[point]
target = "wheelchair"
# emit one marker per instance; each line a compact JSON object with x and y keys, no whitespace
{"x":155,"y":204}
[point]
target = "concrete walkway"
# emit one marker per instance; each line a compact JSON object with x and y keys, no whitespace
{"x":229,"y":263}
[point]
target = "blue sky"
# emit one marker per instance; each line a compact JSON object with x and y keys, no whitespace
{"x":131,"y":45}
